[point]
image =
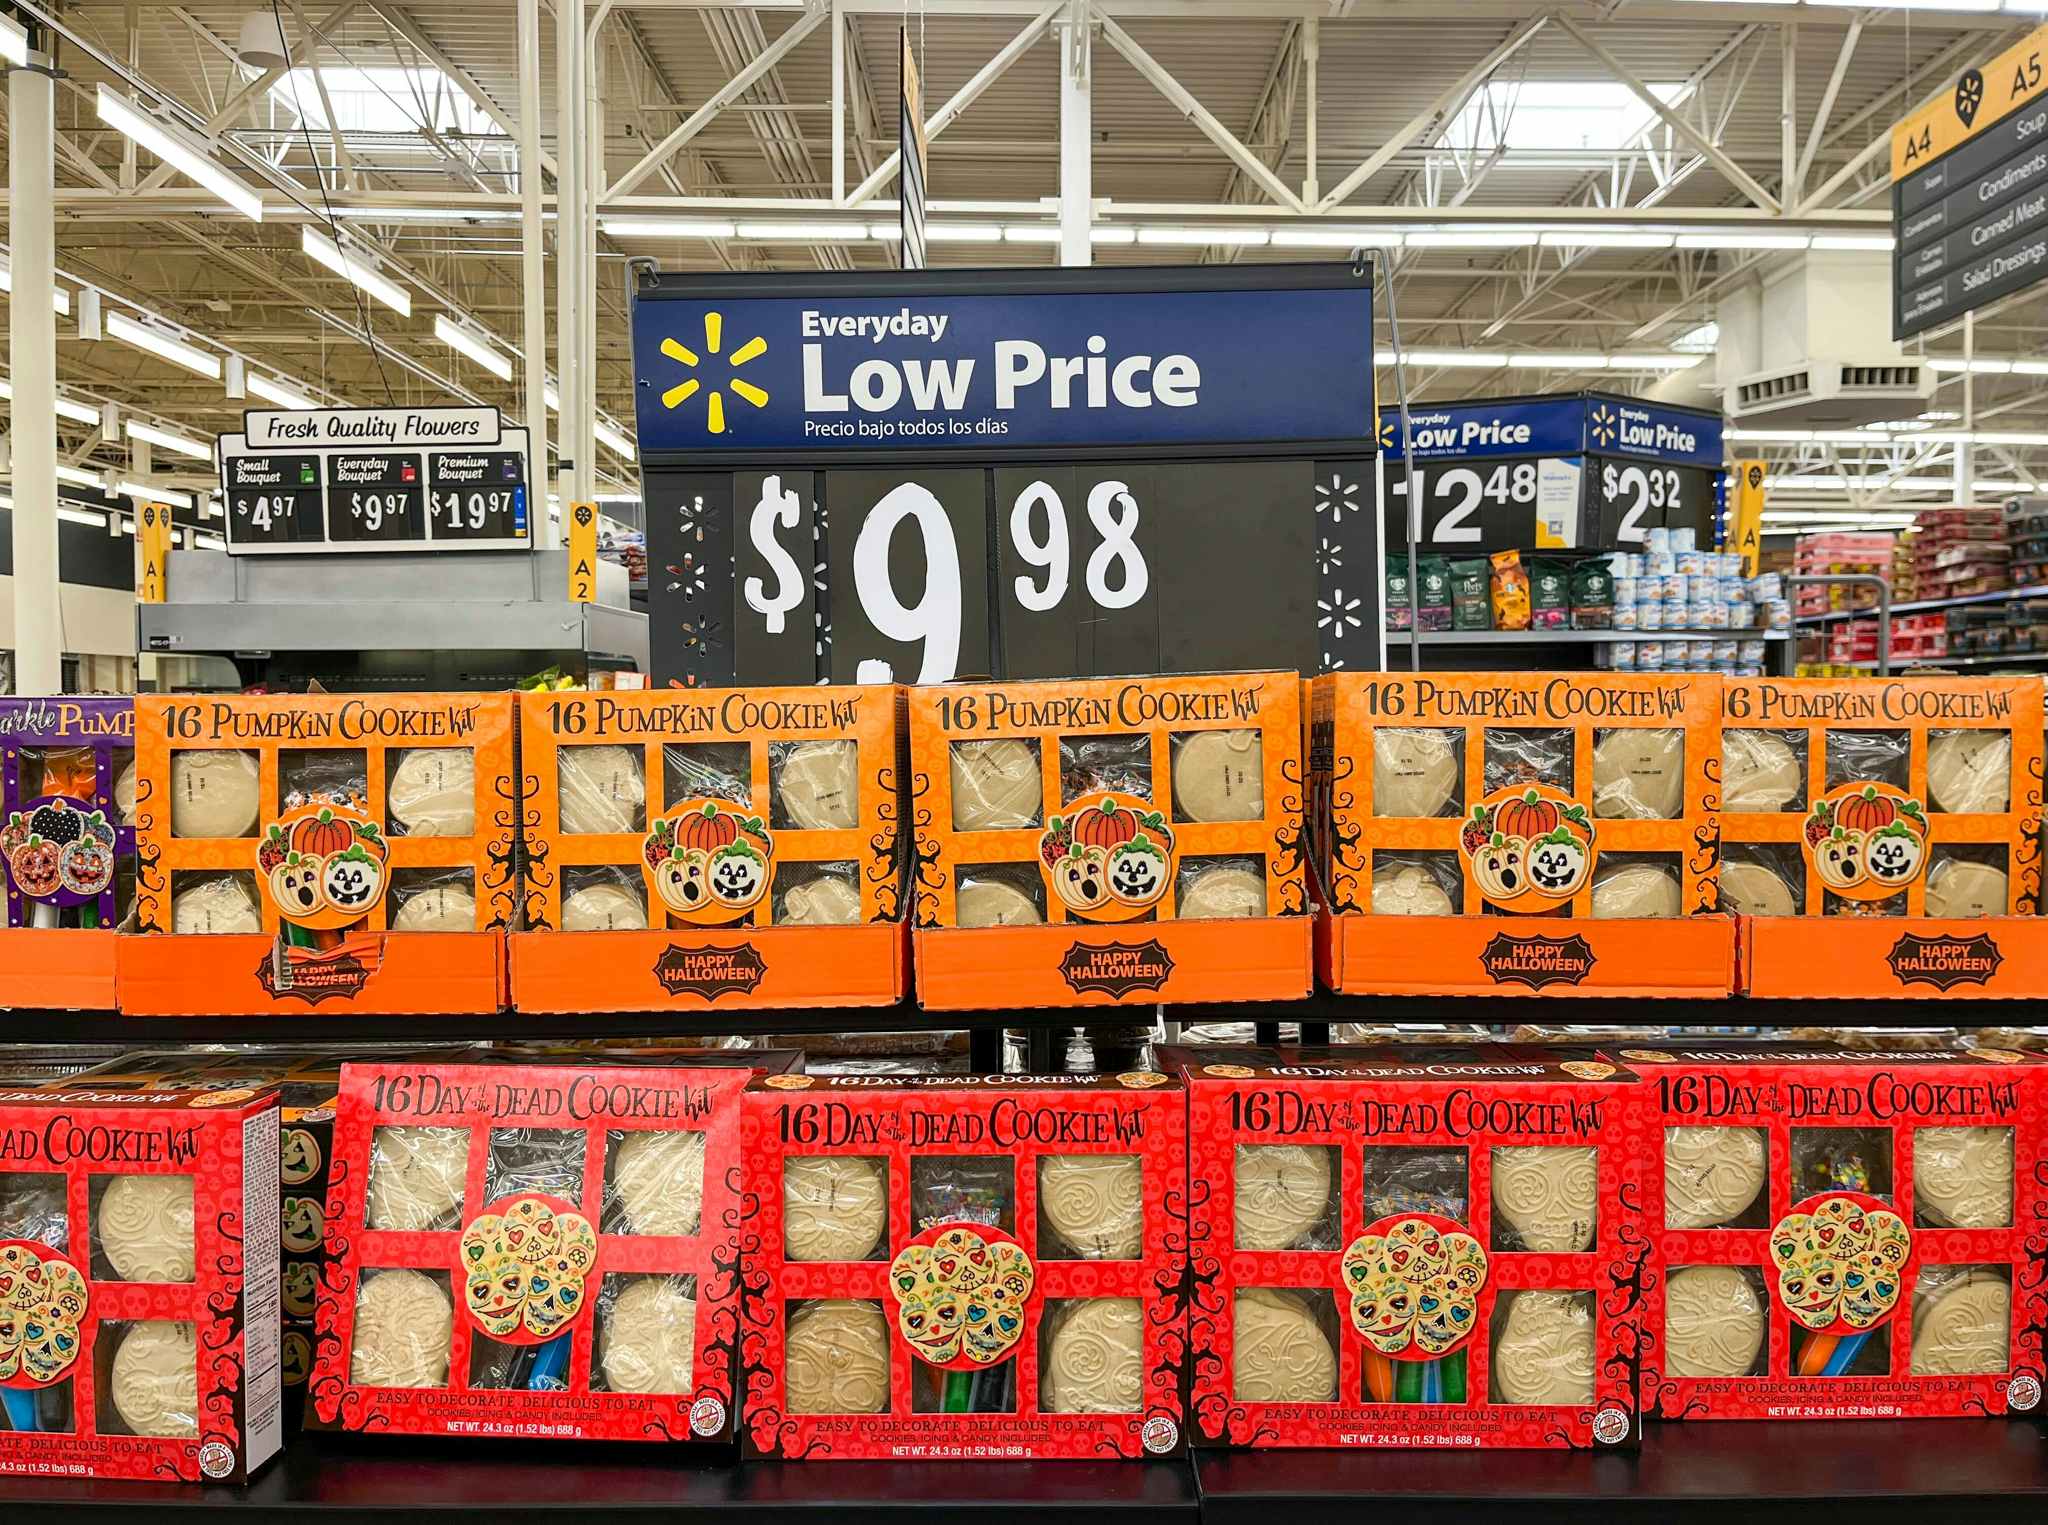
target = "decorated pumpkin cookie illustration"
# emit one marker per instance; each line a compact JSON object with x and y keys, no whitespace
{"x":323,"y":865}
{"x":1530,"y":847}
{"x":1866,"y":841}
{"x":708,"y":860}
{"x":1107,"y":859}
{"x":57,"y":846}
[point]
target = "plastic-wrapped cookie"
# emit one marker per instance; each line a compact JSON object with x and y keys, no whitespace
{"x":145,"y":1227}
{"x":155,"y":1381}
{"x":649,"y":1343}
{"x":1403,"y":889}
{"x":1413,"y":772}
{"x":603,"y":790}
{"x":996,"y":785}
{"x":1640,"y":774}
{"x":1279,"y":1352}
{"x":214,"y":906}
{"x":1759,"y":772}
{"x":1964,"y":1328}
{"x":437,"y":908}
{"x":1962,"y":1177}
{"x":416,"y":1177}
{"x":1636,"y":890}
{"x":403,"y":1324}
{"x":1095,"y":1359}
{"x":1969,"y":772}
{"x":1095,"y":1202}
{"x":1282,"y":1194}
{"x":835,"y":1357}
{"x":1220,"y":776}
{"x":993,"y":903}
{"x":826,"y":901}
{"x":1544,"y":1351}
{"x":213,"y":794}
{"x":1713,"y":1322}
{"x":433,"y":792}
{"x":1962,"y":889}
{"x":659,"y":1178}
{"x":834,"y":1207}
{"x":818,"y":783}
{"x":1752,"y":889}
{"x":1546,"y":1193}
{"x":604,"y":908}
{"x":1211,"y":893}
{"x":1711,"y":1175}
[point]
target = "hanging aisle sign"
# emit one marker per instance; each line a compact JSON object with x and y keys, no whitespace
{"x":1583,"y":471}
{"x":1017,"y":474}
{"x":375,"y":479}
{"x":1970,"y":191}
{"x":913,"y":152}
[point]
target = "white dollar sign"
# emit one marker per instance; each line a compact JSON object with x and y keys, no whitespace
{"x":776,"y":508}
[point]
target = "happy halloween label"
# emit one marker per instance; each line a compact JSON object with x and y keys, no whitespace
{"x":1944,"y":962}
{"x":709,"y":971}
{"x":1117,"y":969}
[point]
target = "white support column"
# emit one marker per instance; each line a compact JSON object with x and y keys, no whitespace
{"x":838,"y":103}
{"x":533,"y":339}
{"x":1311,"y":57}
{"x":571,"y":296}
{"x":1965,"y":465}
{"x":1788,"y":113}
{"x":589,"y":194}
{"x":32,"y":361}
{"x":1077,"y":184}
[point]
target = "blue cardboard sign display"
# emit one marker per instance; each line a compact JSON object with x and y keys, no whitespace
{"x":1012,"y":473}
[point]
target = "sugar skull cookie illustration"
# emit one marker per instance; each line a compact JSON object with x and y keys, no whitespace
{"x":1866,"y":841}
{"x":43,"y":1301}
{"x":1414,"y":1285}
{"x":706,"y":860}
{"x":525,"y":1263}
{"x":960,"y":1297}
{"x":323,"y":865}
{"x":1840,"y":1261}
{"x":1530,"y":847}
{"x":1108,"y":859}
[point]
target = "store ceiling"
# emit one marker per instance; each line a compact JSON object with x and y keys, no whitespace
{"x":245,"y":286}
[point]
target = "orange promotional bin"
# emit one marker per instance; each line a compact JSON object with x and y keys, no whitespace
{"x":1101,"y":842}
{"x":1534,"y":834}
{"x":695,"y":847}
{"x":1881,"y":836}
{"x":354,"y":853}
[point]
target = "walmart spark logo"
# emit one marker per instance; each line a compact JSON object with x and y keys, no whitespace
{"x":1601,"y":422}
{"x":1386,"y":431}
{"x":714,"y":402}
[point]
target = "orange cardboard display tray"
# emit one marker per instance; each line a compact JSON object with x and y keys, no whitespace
{"x":694,"y":968}
{"x":57,"y":968}
{"x":252,"y":974}
{"x":1263,"y":958}
{"x":1562,"y":956}
{"x":1910,"y":957}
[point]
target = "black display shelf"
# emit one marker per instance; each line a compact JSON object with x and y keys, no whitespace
{"x":1919,"y":1470}
{"x":1928,"y":1010}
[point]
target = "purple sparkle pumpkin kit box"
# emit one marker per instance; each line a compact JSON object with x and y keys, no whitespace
{"x":1842,"y":1233}
{"x":67,"y":847}
{"x":138,"y":1281}
{"x":1415,"y":1247}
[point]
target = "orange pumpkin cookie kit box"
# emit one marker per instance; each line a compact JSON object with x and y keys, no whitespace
{"x":686,"y":847}
{"x":1905,"y":811}
{"x":1538,"y":833}
{"x":354,"y":853}
{"x":1109,"y":841}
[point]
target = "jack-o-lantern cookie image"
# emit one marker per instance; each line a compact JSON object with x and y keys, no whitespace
{"x":1841,"y":1260}
{"x":524,"y":1264}
{"x":960,"y":1292}
{"x":1107,"y":859}
{"x":707,"y":860}
{"x":1866,"y":841}
{"x":1530,"y":847}
{"x":56,"y":847}
{"x":323,"y":865}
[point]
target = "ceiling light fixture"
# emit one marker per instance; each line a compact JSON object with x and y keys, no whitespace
{"x":163,"y":345}
{"x":276,"y":392}
{"x":472,"y":344}
{"x":143,"y":492}
{"x":612,"y":439}
{"x":192,"y":160}
{"x":323,"y":250}
{"x":170,"y":441}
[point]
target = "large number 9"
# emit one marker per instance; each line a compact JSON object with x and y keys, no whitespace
{"x":1052,"y":554}
{"x":935,"y":620}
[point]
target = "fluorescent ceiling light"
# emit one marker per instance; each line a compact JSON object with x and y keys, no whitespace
{"x":1202,"y":238}
{"x":189,"y":159}
{"x":803,"y":232}
{"x":1735,"y":240}
{"x":143,"y":492}
{"x":455,"y":336}
{"x":59,"y":297}
{"x":1947,"y":364}
{"x":66,"y":408}
{"x":81,"y":478}
{"x":612,"y":440}
{"x":963,"y":233}
{"x":550,"y":396}
{"x":2030,"y":368}
{"x":163,"y":345}
{"x":666,"y":227}
{"x":83,"y":516}
{"x":321,"y":249}
{"x":1913,"y":5}
{"x":1112,"y":235}
{"x":432,"y":213}
{"x":1854,"y":241}
{"x":274,"y":391}
{"x":887,"y":232}
{"x":1490,"y":238}
{"x":209,"y":542}
{"x":1595,"y":238}
{"x":1334,"y":238}
{"x":1030,"y":233}
{"x":1654,"y":362}
{"x":13,"y":41}
{"x":1558,"y":362}
{"x":170,"y":441}
{"x":1461,"y":359}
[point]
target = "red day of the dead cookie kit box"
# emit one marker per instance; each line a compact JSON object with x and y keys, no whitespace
{"x":1414,"y":1247}
{"x":965,"y":1267}
{"x":138,"y":1282}
{"x":1843,"y":1233}
{"x":534,"y":1251}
